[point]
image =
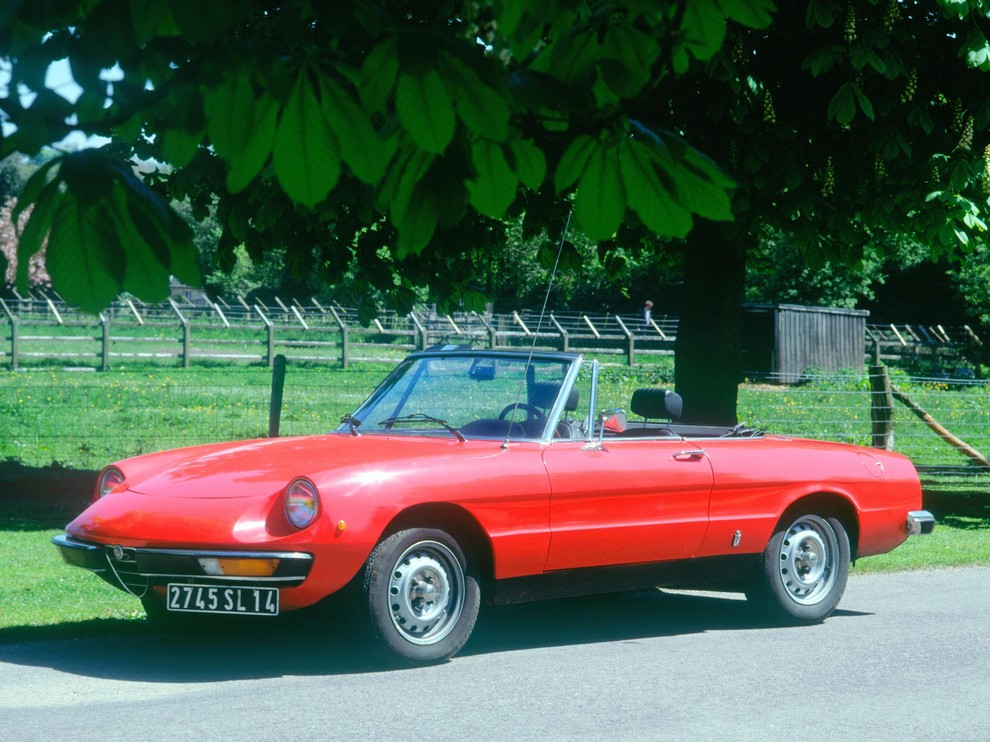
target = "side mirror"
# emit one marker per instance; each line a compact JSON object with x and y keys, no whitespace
{"x":612,"y":420}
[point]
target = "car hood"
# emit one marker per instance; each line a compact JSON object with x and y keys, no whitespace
{"x":263,"y":467}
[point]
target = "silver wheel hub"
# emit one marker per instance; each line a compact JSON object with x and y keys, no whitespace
{"x":807,"y":559}
{"x":426,"y":592}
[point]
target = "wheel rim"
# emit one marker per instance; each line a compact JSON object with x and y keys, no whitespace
{"x":426,"y":592}
{"x":807,"y":559}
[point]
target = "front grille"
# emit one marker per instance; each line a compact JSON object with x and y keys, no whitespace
{"x":123,"y":565}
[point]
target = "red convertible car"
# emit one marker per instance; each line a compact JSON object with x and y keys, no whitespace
{"x":471,"y":476}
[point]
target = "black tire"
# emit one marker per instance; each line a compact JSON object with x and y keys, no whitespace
{"x":422,"y":595}
{"x":804,"y":570}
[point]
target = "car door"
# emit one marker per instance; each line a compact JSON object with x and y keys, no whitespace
{"x":631,"y":501}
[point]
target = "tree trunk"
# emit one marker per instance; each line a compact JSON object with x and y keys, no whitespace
{"x":709,"y":337}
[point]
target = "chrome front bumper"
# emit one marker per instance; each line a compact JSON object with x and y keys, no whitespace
{"x":920,"y":522}
{"x":135,"y":570}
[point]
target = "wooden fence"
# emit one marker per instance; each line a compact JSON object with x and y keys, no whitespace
{"x":43,"y":331}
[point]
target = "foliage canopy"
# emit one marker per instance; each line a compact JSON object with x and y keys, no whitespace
{"x":400,"y":133}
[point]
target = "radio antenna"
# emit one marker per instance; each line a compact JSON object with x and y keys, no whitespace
{"x":539,"y":323}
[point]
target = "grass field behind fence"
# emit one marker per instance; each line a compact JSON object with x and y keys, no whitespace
{"x":84,"y":420}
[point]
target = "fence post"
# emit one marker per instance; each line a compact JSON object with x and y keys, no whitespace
{"x":13,"y":334}
{"x":488,"y":329}
{"x":14,"y":342}
{"x":631,"y":339}
{"x":186,"y":343}
{"x":419,"y":332}
{"x":344,"y":349}
{"x":271,"y":335}
{"x":881,"y":408}
{"x":565,"y":339}
{"x":186,"y":334}
{"x":105,"y":354}
{"x":275,"y":406}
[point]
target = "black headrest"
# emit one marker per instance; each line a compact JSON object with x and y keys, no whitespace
{"x":544,"y":393}
{"x":653,"y":403}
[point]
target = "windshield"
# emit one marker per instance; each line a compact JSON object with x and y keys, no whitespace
{"x":469,"y":395}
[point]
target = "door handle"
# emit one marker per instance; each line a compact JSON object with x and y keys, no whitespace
{"x":696,"y":453}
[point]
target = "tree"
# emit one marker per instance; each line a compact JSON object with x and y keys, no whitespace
{"x":399,"y":138}
{"x":35,"y":273}
{"x":844,"y":124}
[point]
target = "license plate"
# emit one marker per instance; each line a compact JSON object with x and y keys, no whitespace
{"x":225,"y":599}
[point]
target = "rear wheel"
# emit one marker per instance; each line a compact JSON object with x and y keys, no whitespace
{"x":422,"y":595}
{"x":804,"y":571}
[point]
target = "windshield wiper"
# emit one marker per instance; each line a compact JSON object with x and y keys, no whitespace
{"x":419,"y":417}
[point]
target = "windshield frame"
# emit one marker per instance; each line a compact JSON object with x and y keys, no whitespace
{"x":352,"y":423}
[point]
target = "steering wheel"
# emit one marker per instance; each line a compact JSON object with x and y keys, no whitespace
{"x":534,"y":413}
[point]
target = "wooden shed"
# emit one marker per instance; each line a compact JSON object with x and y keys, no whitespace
{"x":786,"y":339}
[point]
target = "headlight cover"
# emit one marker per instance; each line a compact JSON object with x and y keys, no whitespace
{"x":302,"y":503}
{"x":109,"y":479}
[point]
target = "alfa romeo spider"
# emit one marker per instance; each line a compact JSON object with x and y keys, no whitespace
{"x":470,"y":477}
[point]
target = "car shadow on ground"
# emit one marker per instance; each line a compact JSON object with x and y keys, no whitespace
{"x":316,"y":642}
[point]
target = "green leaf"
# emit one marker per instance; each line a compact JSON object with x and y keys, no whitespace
{"x":864,"y":103}
{"x":399,"y":188}
{"x":425,"y":110}
{"x":151,"y":20}
{"x":822,"y":60}
{"x":573,"y":162}
{"x":842,"y":108}
{"x":360,"y":147}
{"x":600,"y":202}
{"x":246,"y":163}
{"x":179,"y":146}
{"x":306,"y":159}
{"x":378,"y":75}
{"x":646,"y":194}
{"x":229,"y":109}
{"x":977,"y":50}
{"x":700,"y":195}
{"x":33,"y":188}
{"x":703,"y":28}
{"x":494,"y":188}
{"x":482,"y":110}
{"x":418,"y":223}
{"x":628,"y":55}
{"x":37,"y":227}
{"x":159,"y":235}
{"x":146,"y":265}
{"x":84,"y":258}
{"x":529,"y":162}
{"x":752,"y":13}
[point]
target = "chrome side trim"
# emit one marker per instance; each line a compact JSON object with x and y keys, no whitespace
{"x":920,"y":522}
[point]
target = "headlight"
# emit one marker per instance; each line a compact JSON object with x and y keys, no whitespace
{"x":110,"y":479}
{"x":302,"y":503}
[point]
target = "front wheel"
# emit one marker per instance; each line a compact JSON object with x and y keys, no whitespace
{"x":422,"y":595}
{"x":804,"y":571}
